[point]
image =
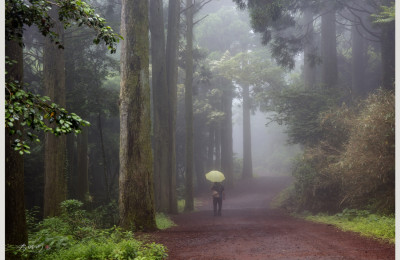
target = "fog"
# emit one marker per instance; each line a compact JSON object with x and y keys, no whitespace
{"x":272,"y":155}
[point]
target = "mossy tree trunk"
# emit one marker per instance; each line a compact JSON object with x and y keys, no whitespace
{"x":55,"y":183}
{"x":136,"y":191}
{"x":189,"y":200}
{"x":15,"y":222}
{"x":172,"y":72}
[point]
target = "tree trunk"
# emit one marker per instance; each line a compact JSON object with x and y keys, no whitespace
{"x":309,"y":50}
{"x":217,"y":163}
{"x":210,"y":149}
{"x":83,"y":178}
{"x":16,"y":231}
{"x":172,"y":72}
{"x":328,"y":46}
{"x":189,"y":203}
{"x":358,"y":62}
{"x":388,"y":55}
{"x":105,"y":164}
{"x":55,"y":183}
{"x":71,"y":166}
{"x":199,"y":157}
{"x":227,"y":138}
{"x":136,"y":191}
{"x":247,"y":157}
{"x":160,"y":106}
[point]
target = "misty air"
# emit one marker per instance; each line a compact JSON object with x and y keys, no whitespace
{"x":199,"y":129}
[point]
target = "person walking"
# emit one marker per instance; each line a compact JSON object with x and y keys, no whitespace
{"x":217,"y":194}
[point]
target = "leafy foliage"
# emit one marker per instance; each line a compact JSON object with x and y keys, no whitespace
{"x":37,"y":113}
{"x":73,"y":235}
{"x":368,"y":160}
{"x":386,"y":15}
{"x":352,"y":163}
{"x":36,"y":12}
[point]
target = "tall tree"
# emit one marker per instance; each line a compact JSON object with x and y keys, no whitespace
{"x":136,"y":191}
{"x":247,"y":171}
{"x":309,"y":49}
{"x":55,"y":183}
{"x":82,"y":169}
{"x":328,"y":45}
{"x":172,"y":71}
{"x":227,"y":139}
{"x":358,"y":60}
{"x":189,"y":200}
{"x":16,"y":232}
{"x":160,"y":106}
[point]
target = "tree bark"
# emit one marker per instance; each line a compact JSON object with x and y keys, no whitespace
{"x":358,"y":62}
{"x":217,"y":163}
{"x":15,"y":224}
{"x":388,"y":55}
{"x":55,"y":183}
{"x":160,"y":106}
{"x":247,"y":156}
{"x":105,"y":164}
{"x":309,"y":50}
{"x":189,"y":200}
{"x":328,"y":45}
{"x":210,"y":148}
{"x":227,"y":138}
{"x":172,"y":72}
{"x":136,"y":191}
{"x":82,"y":161}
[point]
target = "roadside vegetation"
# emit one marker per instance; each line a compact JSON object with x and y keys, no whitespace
{"x":76,"y":235}
{"x":347,"y":168}
{"x":360,"y":221}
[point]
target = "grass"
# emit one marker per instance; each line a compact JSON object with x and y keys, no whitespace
{"x":360,"y":221}
{"x":163,"y":221}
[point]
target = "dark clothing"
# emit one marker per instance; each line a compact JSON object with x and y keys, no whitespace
{"x":217,"y":201}
{"x":217,"y":198}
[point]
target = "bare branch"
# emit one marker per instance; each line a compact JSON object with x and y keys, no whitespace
{"x":199,"y":20}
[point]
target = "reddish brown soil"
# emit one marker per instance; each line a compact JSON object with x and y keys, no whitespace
{"x":249,"y":229}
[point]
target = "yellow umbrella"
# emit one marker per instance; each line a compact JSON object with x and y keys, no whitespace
{"x":215,"y":176}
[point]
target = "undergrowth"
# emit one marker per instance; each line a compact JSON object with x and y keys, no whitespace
{"x":163,"y":221}
{"x":73,"y":235}
{"x":360,"y":221}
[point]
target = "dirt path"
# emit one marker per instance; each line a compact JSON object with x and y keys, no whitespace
{"x":248,"y":229}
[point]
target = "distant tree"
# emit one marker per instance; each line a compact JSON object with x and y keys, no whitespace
{"x":251,"y":70}
{"x":136,"y":191}
{"x":172,"y":71}
{"x":189,"y":199}
{"x":328,"y":45}
{"x":160,"y":107}
{"x":55,"y":182}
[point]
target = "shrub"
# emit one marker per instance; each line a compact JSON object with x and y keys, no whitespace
{"x":368,"y":162}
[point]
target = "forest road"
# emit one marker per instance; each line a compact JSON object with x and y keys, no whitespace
{"x":249,"y":229}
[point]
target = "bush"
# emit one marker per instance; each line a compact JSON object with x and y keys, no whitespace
{"x":73,"y":235}
{"x":368,"y":162}
{"x":352,"y":165}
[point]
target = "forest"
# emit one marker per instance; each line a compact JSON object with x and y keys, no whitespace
{"x":115,"y":111}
